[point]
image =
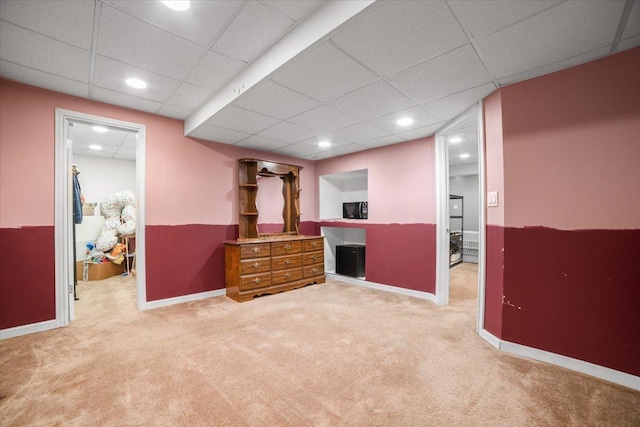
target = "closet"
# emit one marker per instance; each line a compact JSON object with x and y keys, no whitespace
{"x":456,"y":229}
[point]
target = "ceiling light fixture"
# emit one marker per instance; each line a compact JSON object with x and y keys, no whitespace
{"x":406,"y":121}
{"x":136,"y":83}
{"x":95,"y":147}
{"x":179,"y":5}
{"x":465,"y":155}
{"x":324,"y":144}
{"x":100,"y":129}
{"x":455,"y":139}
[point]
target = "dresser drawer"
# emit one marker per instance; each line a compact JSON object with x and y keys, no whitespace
{"x":255,"y":281}
{"x":313,"y":245}
{"x":286,"y":248}
{"x":254,"y":266}
{"x":309,"y":258}
{"x":312,"y":270}
{"x":256,"y":250}
{"x":284,"y":276}
{"x":286,"y":262}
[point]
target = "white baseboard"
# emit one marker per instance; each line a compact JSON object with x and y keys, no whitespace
{"x":607,"y":374}
{"x":396,"y":290}
{"x":27,"y":329}
{"x":184,"y":298}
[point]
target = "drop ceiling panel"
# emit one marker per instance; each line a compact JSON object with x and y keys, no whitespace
{"x":37,"y":78}
{"x":372,"y":101}
{"x":324,"y":73}
{"x":323,"y":119}
{"x":486,"y":17}
{"x":572,"y":28}
{"x":421,"y":132}
{"x":420,"y":118}
{"x":394,"y":35}
{"x":452,"y":72}
{"x":293,"y":9}
{"x":174,"y":112}
{"x":124,"y":100}
{"x":188,"y":96}
{"x":629,"y":43}
{"x":450,"y":106}
{"x":633,"y":22}
{"x":380,"y":142}
{"x":218,"y":134}
{"x":125,"y":154}
{"x":274,"y":100}
{"x":214,"y":70}
{"x":93,"y":153}
{"x":132,"y":41}
{"x":130,"y":141}
{"x":200,"y":23}
{"x":356,"y":133}
{"x":110,"y":74}
{"x":265,"y":26}
{"x":259,"y":143}
{"x":287,"y":132}
{"x":24,"y":47}
{"x":67,"y":21}
{"x":241,"y":120}
{"x":296,"y":150}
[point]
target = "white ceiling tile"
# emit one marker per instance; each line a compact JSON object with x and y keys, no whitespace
{"x":391,"y":36}
{"x":263,"y":24}
{"x":41,"y":79}
{"x":355,"y":133}
{"x":125,"y":153}
{"x":629,"y":43}
{"x":347,"y":149}
{"x":214,"y":71}
{"x":200,"y":23}
{"x":421,"y":132}
{"x":488,"y":16}
{"x":110,"y":74}
{"x":132,"y":41}
{"x":287,"y":132}
{"x":324,"y":73}
{"x":24,"y":47}
{"x":380,"y":142}
{"x":296,"y":150}
{"x":67,"y":21}
{"x":93,"y":153}
{"x":572,"y":28}
{"x":259,"y":143}
{"x":450,"y":106}
{"x":174,"y":112}
{"x":323,"y":119}
{"x":452,"y":72}
{"x":218,"y":134}
{"x":294,"y":9}
{"x":557,"y":66}
{"x":188,"y":96}
{"x":130,"y":141}
{"x":124,"y":100}
{"x":420,"y":118}
{"x":372,"y":101}
{"x":241,"y":120}
{"x":84,"y":145}
{"x":274,"y":100}
{"x":633,"y":23}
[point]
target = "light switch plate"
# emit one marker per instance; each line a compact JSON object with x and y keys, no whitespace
{"x":492,"y":198}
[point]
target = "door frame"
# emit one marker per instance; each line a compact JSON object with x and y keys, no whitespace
{"x":63,"y":234}
{"x":442,"y":211}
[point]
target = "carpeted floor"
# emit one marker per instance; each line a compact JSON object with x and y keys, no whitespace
{"x":325,"y":355}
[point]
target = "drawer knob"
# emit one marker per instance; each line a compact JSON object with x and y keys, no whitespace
{"x":256,"y":249}
{"x":313,"y":244}
{"x":257,"y":280}
{"x":287,"y":247}
{"x":314,"y":257}
{"x":287,"y":275}
{"x":256,"y":264}
{"x":314,"y":270}
{"x":287,"y":261}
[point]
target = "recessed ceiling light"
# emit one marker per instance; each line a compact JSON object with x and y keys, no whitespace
{"x":455,"y":139}
{"x":179,"y":5}
{"x":406,"y":121}
{"x":324,"y":144}
{"x":136,"y":83}
{"x":465,"y":155}
{"x":100,"y":129}
{"x":95,"y":147}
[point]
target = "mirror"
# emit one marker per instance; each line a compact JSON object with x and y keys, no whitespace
{"x":270,"y":204}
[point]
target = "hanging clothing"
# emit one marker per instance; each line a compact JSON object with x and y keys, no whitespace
{"x":78,"y":200}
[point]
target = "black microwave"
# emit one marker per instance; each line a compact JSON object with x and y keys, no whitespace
{"x":355,"y":210}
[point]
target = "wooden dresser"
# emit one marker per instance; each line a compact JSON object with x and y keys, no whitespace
{"x":260,"y":266}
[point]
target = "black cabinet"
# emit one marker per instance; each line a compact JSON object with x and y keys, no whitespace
{"x":350,"y":260}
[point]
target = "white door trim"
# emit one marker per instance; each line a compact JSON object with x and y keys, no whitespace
{"x":482,"y":218}
{"x":63,"y":208}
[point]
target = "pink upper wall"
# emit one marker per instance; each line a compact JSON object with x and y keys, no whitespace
{"x":401,"y":180}
{"x":188,"y":181}
{"x":494,"y":155}
{"x":572,"y":147}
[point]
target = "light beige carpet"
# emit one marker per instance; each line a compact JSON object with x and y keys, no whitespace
{"x":325,"y":355}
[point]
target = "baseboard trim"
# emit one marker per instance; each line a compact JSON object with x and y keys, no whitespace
{"x":185,"y":298}
{"x":387,"y":288}
{"x":27,"y":329}
{"x":604,"y":373}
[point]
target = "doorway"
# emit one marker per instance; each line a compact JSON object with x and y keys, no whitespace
{"x":80,"y":134}
{"x":460,"y":203}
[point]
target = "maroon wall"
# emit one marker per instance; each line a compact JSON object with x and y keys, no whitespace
{"x":494,"y":280}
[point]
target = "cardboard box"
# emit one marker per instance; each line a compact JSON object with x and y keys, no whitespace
{"x":99,"y":271}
